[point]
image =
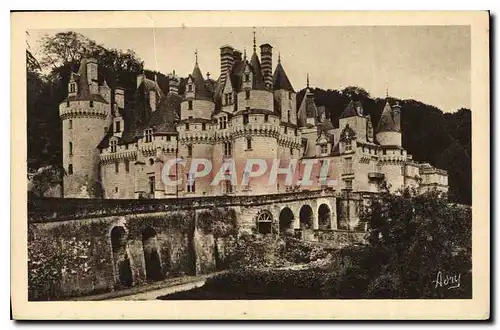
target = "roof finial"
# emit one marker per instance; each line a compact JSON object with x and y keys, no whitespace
{"x":254,"y":41}
{"x":244,"y":53}
{"x":308,"y":80}
{"x":279,"y":57}
{"x":196,"y":56}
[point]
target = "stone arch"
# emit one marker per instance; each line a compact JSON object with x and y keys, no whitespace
{"x":121,"y":260}
{"x":286,"y":220}
{"x":324,"y":217}
{"x":264,"y":221}
{"x":152,"y":260}
{"x":306,"y":217}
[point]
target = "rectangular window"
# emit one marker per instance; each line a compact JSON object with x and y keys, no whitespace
{"x":190,"y":88}
{"x":169,"y":138}
{"x":91,"y":104}
{"x":70,"y":169}
{"x":249,"y":143}
{"x":245,"y":118}
{"x":247,"y":95}
{"x":152,"y":185}
{"x":70,"y":124}
{"x":348,"y":184}
{"x":247,"y":77}
{"x":288,"y":116}
{"x":71,"y":148}
{"x":127,"y":166}
{"x":126,"y":147}
{"x":348,"y":145}
{"x":72,"y":88}
{"x":117,"y":167}
{"x":228,"y":148}
{"x":190,"y":105}
{"x":348,"y":165}
{"x":148,"y":135}
{"x":118,"y":127}
{"x":291,"y":151}
{"x":203,"y":126}
{"x":228,"y":187}
{"x":190,"y":183}
{"x":67,"y":104}
{"x":266,"y":118}
{"x":289,"y":95}
{"x":286,"y":130}
{"x":190,"y":150}
{"x":113,"y":146}
{"x":324,"y":149}
{"x":187,"y":126}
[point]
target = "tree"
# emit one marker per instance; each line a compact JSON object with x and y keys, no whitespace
{"x":420,"y":235}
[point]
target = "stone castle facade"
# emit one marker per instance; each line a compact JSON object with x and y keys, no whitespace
{"x":116,"y":149}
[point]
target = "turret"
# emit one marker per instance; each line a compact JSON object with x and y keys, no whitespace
{"x":308,"y":112}
{"x":85,"y":114}
{"x":285,"y":94}
{"x":198,"y":101}
{"x":389,"y":128}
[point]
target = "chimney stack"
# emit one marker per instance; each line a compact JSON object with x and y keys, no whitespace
{"x":173,"y":83}
{"x":266,"y":57}
{"x":120,"y":97}
{"x":226,"y":61}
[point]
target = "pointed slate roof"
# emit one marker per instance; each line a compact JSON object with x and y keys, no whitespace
{"x":163,"y":119}
{"x":201,"y":91}
{"x":83,"y":90}
{"x":258,"y":78}
{"x":307,"y":108}
{"x":280,"y":79}
{"x":350,"y":110}
{"x":387,"y":123}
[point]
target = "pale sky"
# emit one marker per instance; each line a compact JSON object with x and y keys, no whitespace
{"x":428,"y":63}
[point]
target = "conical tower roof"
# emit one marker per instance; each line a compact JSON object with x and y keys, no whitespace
{"x":280,"y":79}
{"x":351,"y":109}
{"x":258,"y":78}
{"x":201,"y":91}
{"x":387,"y":122}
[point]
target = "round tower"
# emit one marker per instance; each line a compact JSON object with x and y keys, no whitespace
{"x":85,"y":116}
{"x":389,"y":128}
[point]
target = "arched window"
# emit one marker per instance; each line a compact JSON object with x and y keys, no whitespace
{"x":264,"y":222}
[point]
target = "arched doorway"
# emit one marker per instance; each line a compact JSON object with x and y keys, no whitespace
{"x":151,"y":255}
{"x":123,"y":271}
{"x":265,"y":222}
{"x":324,"y":217}
{"x":306,"y":222}
{"x":286,"y":220}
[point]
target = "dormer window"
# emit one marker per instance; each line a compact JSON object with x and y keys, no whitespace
{"x":266,"y":118}
{"x":203,"y":126}
{"x":91,"y":103}
{"x":148,"y":134}
{"x":190,"y":105}
{"x":247,"y":77}
{"x":117,"y":127}
{"x":289,"y":95}
{"x":113,"y":145}
{"x":286,"y":130}
{"x":190,"y":87}
{"x":67,"y":104}
{"x":324,"y":149}
{"x":348,"y":145}
{"x":72,"y":88}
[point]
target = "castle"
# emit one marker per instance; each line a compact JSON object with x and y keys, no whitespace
{"x":117,"y":150}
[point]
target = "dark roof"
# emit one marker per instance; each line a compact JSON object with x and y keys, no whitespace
{"x":280,"y":79}
{"x":351,"y":109}
{"x":387,"y":123}
{"x":258,"y":79}
{"x":201,"y":91}
{"x":164,"y":118}
{"x":83,"y":90}
{"x":307,"y":108}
